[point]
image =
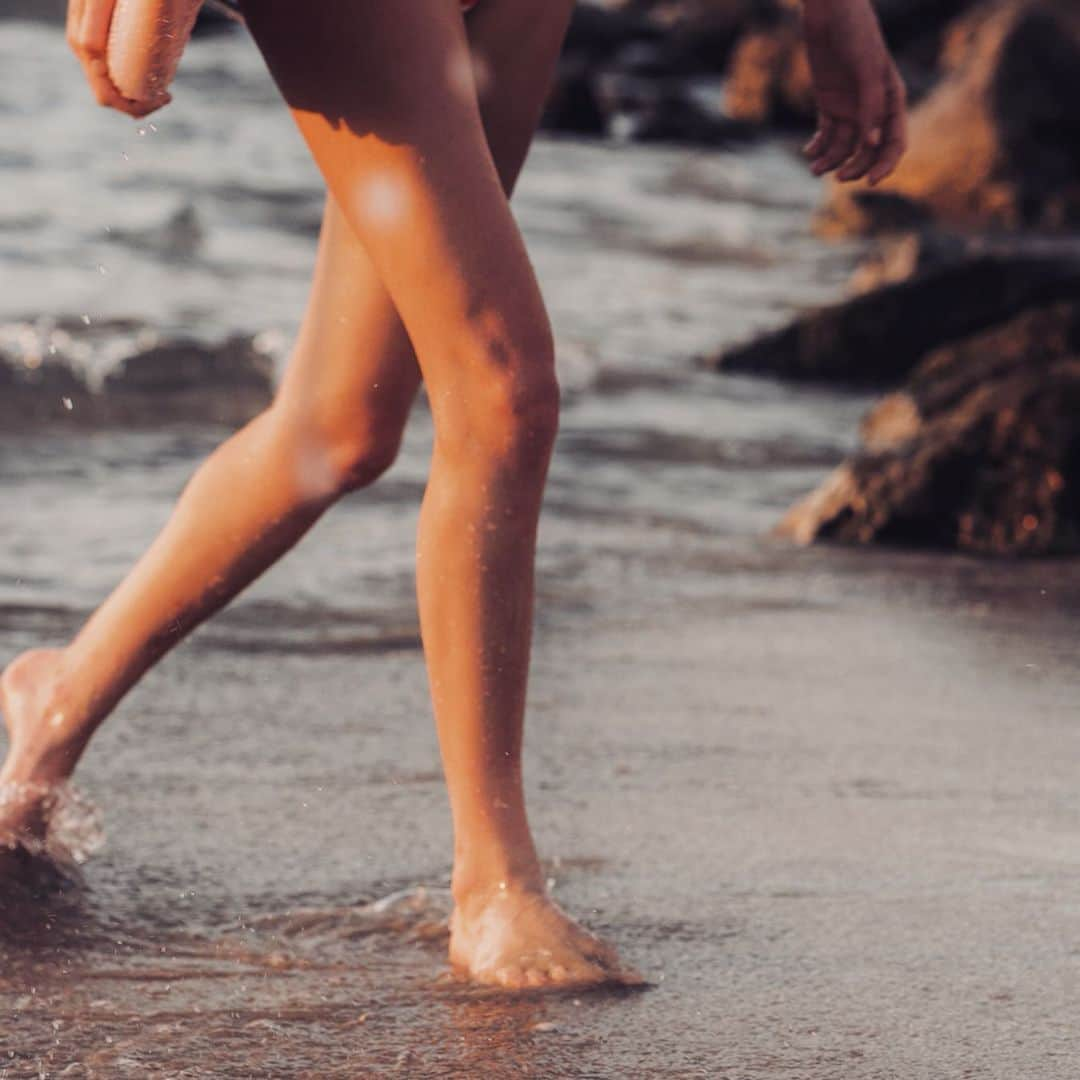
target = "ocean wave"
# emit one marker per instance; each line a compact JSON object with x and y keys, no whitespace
{"x":73,"y":371}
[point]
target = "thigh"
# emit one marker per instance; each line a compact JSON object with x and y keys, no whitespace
{"x":515,"y":47}
{"x":378,"y":93}
{"x":354,"y":355}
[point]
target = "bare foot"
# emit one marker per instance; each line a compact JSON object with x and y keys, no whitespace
{"x":39,"y":752}
{"x":521,"y":939}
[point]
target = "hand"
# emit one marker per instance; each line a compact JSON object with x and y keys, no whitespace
{"x":862,"y":124}
{"x":88,"y":23}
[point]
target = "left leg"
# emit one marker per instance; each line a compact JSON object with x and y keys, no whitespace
{"x":502,"y":933}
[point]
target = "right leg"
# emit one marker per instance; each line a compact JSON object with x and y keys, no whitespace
{"x":381,"y":93}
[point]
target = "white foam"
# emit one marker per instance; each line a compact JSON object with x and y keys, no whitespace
{"x":74,"y":827}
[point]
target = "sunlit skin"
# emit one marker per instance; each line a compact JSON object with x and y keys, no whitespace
{"x":420,"y":122}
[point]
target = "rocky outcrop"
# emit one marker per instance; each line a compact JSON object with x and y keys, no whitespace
{"x":877,"y":338}
{"x":997,"y":142}
{"x":768,"y":80}
{"x":979,"y":452}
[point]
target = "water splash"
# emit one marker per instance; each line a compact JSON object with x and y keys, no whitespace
{"x":419,"y":913}
{"x":69,"y":827}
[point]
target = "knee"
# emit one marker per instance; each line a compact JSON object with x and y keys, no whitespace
{"x":506,"y":411}
{"x":334,"y":453}
{"x":360,"y":457}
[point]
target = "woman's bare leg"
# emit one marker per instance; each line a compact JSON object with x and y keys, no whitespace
{"x":403,"y":149}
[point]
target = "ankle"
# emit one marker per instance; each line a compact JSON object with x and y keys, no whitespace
{"x":44,"y":731}
{"x":477,"y":885}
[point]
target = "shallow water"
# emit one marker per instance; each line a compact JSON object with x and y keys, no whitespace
{"x":826,"y":800}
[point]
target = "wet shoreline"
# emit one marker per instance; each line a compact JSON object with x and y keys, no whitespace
{"x":800,"y":798}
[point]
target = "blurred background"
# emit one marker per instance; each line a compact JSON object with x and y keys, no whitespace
{"x":803,"y":737}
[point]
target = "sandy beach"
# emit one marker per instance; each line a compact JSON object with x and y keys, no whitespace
{"x":828,"y":808}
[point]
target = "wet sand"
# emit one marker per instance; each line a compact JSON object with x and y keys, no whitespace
{"x":829,"y":808}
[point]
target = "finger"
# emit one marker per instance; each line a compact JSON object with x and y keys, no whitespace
{"x":74,"y":21}
{"x":98,"y":77}
{"x":865,"y":154}
{"x":857,"y":165}
{"x":871,"y":109}
{"x":94,"y":27}
{"x":837,"y":151}
{"x":895,"y":141}
{"x":139,"y":109}
{"x":820,"y":137}
{"x":107,"y":95}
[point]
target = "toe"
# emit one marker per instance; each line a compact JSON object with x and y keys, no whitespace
{"x":599,"y":952}
{"x":510,"y":977}
{"x":606,"y":960}
{"x":629,"y":976}
{"x":588,"y":973}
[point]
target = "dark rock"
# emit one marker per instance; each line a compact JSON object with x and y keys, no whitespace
{"x":663,"y":110}
{"x":877,"y":338}
{"x":594,"y":37}
{"x":980,"y":451}
{"x":769,"y":77}
{"x":997,"y":142}
{"x":635,"y":70}
{"x":901,"y":256}
{"x":1031,"y":341}
{"x":573,"y":106}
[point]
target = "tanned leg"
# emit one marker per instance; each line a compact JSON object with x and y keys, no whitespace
{"x":378,"y":92}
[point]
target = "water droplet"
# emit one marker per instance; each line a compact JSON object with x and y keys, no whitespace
{"x":86,"y":320}
{"x":102,"y":270}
